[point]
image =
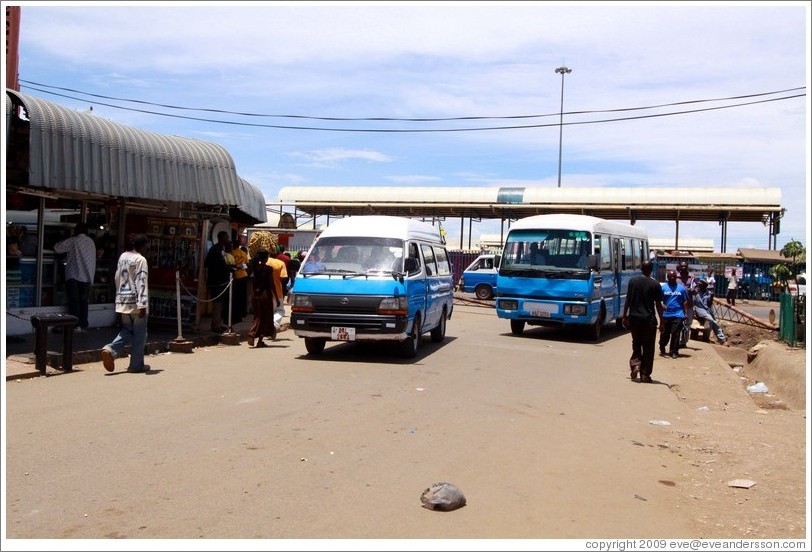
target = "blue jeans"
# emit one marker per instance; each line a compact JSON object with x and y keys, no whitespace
{"x":134,"y":332}
{"x":702,"y":314}
{"x":77,"y":293}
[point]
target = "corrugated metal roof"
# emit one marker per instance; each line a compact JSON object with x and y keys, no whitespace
{"x":762,"y":255}
{"x":251,"y":202}
{"x":82,"y":152}
{"x":645,"y":203}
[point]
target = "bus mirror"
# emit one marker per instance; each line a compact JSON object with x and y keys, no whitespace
{"x":593,"y":262}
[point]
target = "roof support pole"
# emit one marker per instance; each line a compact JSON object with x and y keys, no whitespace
{"x":676,"y":233}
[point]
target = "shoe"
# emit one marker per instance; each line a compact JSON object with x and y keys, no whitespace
{"x":634,"y":366}
{"x":645,"y":379}
{"x":108,"y":360}
{"x":250,"y":340}
{"x":674,"y":355}
{"x":662,"y":351}
{"x":260,"y":345}
{"x":141,"y":371}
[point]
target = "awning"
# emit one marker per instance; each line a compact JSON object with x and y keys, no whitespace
{"x":250,"y":207}
{"x":81,"y":152}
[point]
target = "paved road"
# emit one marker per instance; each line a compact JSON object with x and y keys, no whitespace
{"x":544,"y":434}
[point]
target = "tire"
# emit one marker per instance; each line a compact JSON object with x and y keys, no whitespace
{"x":597,"y":327}
{"x":517,"y":327}
{"x":483,"y":291}
{"x":438,"y":333}
{"x":315,"y":345}
{"x":409,"y":347}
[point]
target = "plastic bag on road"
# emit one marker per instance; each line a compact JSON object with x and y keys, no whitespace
{"x":443,"y":497}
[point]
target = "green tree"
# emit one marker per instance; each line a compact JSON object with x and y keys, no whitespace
{"x":795,"y":252}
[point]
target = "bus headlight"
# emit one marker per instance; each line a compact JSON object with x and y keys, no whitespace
{"x":508,"y":304}
{"x":575,"y":309}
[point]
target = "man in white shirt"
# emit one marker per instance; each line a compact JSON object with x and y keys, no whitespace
{"x":80,"y":269}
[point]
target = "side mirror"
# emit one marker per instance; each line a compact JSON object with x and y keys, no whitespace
{"x":410,"y":265}
{"x":592,"y":262}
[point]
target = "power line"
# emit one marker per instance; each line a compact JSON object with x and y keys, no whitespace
{"x":396,"y":131}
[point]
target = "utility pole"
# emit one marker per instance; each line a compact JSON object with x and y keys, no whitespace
{"x":563,"y":70}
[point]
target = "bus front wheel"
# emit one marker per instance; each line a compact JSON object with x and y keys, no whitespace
{"x":517,"y":327}
{"x":595,"y":329}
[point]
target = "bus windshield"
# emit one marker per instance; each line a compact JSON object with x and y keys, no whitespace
{"x":547,"y":250}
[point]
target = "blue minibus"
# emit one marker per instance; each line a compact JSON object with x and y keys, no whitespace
{"x":373,"y":278}
{"x":479,"y":277}
{"x":563,"y":270}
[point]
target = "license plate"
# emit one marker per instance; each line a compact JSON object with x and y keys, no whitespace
{"x":342,"y":333}
{"x":541,"y":310}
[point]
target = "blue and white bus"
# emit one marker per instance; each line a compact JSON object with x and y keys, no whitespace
{"x":560,"y":270}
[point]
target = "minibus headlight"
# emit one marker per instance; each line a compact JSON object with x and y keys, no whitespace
{"x":508,"y":304}
{"x":301,"y":303}
{"x":394,"y":305}
{"x":575,"y":309}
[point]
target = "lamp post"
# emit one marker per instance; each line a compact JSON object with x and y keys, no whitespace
{"x":563,"y":70}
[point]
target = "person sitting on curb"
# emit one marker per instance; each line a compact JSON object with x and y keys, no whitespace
{"x":703,"y":309}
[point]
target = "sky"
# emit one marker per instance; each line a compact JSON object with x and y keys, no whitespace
{"x":453,"y":60}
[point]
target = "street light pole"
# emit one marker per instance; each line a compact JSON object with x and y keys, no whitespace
{"x":563,"y":70}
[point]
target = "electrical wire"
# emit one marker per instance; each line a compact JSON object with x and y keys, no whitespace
{"x":424,"y":130}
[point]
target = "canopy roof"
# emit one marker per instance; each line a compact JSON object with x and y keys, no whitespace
{"x":70,"y":151}
{"x":692,"y":204}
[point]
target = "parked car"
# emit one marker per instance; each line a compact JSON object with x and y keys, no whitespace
{"x":480,"y":276}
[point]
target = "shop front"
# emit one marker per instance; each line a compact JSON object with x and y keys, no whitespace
{"x":65,"y":167}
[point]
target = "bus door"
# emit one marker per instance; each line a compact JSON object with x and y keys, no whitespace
{"x":613,"y":308}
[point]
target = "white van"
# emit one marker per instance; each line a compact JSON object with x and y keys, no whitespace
{"x":373,"y":278}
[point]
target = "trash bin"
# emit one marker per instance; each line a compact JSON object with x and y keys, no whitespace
{"x":41,"y":324}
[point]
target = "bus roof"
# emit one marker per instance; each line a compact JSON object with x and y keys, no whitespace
{"x":383,"y":226}
{"x":579,"y":222}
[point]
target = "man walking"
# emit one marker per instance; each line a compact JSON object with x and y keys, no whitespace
{"x":675,"y":305}
{"x":132,"y":303}
{"x":80,"y":269}
{"x":688,"y":280}
{"x":643,"y":308}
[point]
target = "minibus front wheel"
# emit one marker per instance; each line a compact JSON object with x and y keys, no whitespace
{"x":315,"y":345}
{"x":410,"y":346}
{"x":438,"y":333}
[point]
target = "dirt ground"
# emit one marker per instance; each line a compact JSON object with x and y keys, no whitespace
{"x":758,"y":436}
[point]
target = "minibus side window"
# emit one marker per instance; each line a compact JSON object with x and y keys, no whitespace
{"x":414,"y":254}
{"x":428,"y":257}
{"x":443,"y":265}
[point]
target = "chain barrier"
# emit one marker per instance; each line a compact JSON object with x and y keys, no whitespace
{"x":190,"y":294}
